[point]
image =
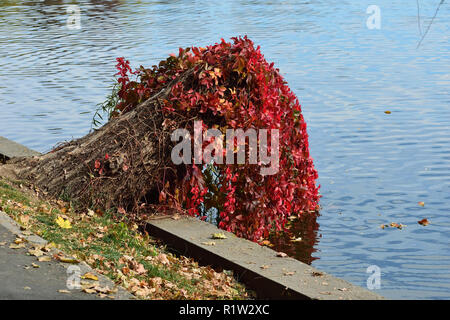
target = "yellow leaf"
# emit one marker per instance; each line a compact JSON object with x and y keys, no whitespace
{"x":68,"y":260}
{"x":65,"y":224}
{"x":89,"y":276}
{"x":421,"y":203}
{"x":219,"y":235}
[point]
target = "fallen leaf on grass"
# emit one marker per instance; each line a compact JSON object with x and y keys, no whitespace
{"x":24,"y":220}
{"x":63,"y":223}
{"x":424,"y":222}
{"x":163,"y":259}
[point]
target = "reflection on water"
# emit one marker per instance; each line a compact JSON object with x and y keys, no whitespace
{"x":373,"y":167}
{"x":300,"y":240}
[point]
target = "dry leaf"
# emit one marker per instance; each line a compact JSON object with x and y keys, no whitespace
{"x":89,"y":276}
{"x":68,"y":260}
{"x":211,"y":243}
{"x":219,"y":235}
{"x":281,"y":254}
{"x":35,"y":265}
{"x":289,"y":273}
{"x":44,"y":259}
{"x":421,"y":203}
{"x":424,"y":222}
{"x":63,"y":291}
{"x":317,"y":274}
{"x":36,"y":252}
{"x":264,"y":267}
{"x":16,"y":246}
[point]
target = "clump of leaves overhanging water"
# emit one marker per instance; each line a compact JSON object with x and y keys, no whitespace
{"x":231,"y":86}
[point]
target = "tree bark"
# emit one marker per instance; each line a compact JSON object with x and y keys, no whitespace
{"x":132,"y":153}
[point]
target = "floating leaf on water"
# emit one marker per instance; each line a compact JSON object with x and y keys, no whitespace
{"x":421,"y":203}
{"x":387,"y":112}
{"x":424,"y":222}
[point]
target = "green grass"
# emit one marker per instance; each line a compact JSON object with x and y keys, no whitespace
{"x":102,"y":235}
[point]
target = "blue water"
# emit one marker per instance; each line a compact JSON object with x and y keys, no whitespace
{"x":374,"y":167}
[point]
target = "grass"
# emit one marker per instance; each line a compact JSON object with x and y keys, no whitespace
{"x":115,"y":248}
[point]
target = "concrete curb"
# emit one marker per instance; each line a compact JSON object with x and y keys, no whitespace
{"x":10,"y":149}
{"x":11,"y":225}
{"x":258,"y":267}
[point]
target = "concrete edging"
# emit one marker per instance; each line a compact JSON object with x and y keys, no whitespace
{"x":257,"y":266}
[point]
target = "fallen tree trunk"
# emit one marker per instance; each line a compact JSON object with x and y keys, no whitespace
{"x":122,"y":164}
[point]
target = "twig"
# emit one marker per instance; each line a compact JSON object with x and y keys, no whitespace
{"x":429,"y":26}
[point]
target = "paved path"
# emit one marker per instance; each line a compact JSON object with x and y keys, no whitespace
{"x":20,"y":280}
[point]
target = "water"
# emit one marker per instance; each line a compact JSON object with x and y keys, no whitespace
{"x":374,"y":168}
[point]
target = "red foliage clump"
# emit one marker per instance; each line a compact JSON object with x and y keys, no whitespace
{"x":233,"y":86}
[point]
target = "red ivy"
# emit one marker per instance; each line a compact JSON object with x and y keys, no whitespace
{"x":234,"y":83}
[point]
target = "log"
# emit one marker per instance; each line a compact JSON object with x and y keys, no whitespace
{"x":123,"y":164}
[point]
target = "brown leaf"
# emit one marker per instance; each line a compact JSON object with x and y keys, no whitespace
{"x":424,"y":222}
